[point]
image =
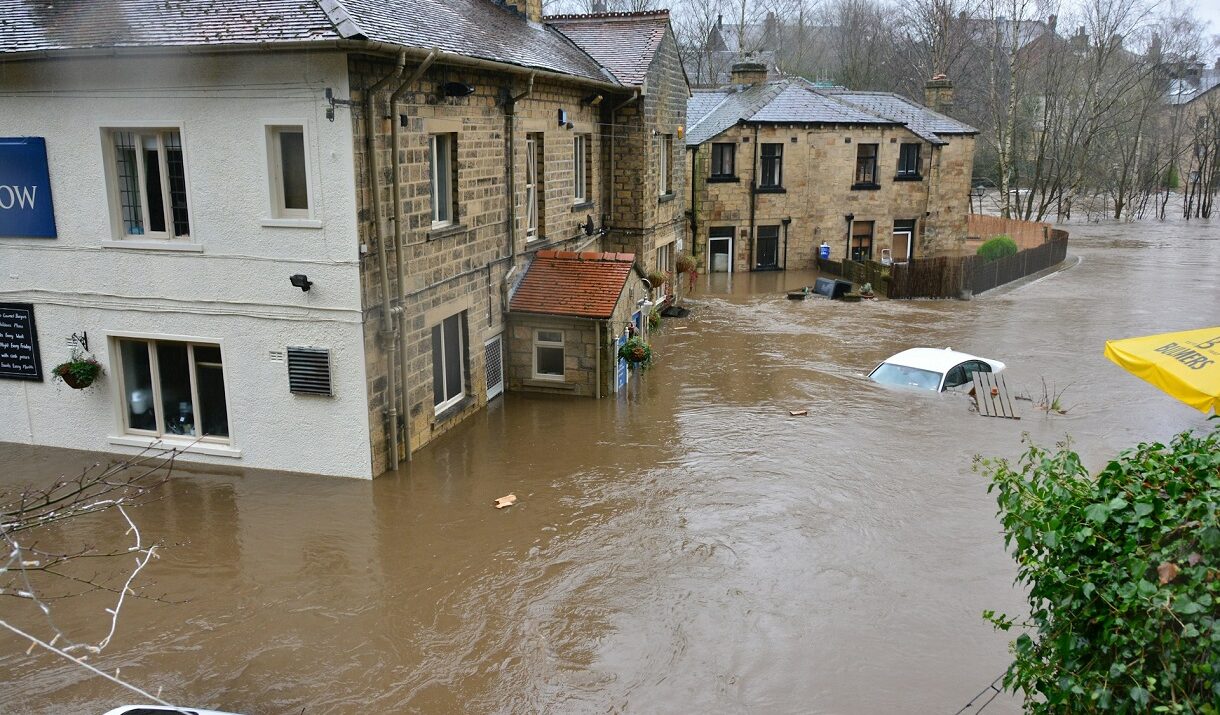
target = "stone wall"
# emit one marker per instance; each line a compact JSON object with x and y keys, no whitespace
{"x":817,"y":193}
{"x":463,"y":267}
{"x":642,"y":218}
{"x":580,"y":355}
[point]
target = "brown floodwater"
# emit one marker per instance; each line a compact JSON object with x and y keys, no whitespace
{"x":687,"y":547}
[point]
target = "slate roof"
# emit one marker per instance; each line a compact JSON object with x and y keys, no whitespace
{"x":770,"y":102}
{"x":484,"y":29}
{"x":476,"y":28}
{"x":796,"y":101}
{"x":581,"y":285}
{"x":623,"y":42}
{"x":41,"y":25}
{"x":1185,"y":92}
{"x":928,"y":124}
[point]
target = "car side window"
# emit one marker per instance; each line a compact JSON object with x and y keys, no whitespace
{"x":975,"y":366}
{"x":956,"y":376}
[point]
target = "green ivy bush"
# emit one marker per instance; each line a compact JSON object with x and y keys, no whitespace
{"x":1123,"y":574}
{"x":998,"y":247}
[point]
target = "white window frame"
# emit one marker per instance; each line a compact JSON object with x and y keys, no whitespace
{"x":667,"y":148}
{"x":148,"y":437}
{"x":442,"y":191}
{"x":531,"y":188}
{"x":461,"y":357}
{"x":278,"y":214}
{"x":580,"y":168}
{"x":550,"y":345}
{"x":160,"y":128}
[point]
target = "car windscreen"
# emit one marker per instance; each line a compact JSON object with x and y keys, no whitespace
{"x":890,"y":374}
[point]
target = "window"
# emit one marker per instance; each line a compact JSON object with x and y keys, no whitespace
{"x":149,"y":189}
{"x":772,"y":166}
{"x":289,"y":172}
{"x":449,"y":362}
{"x":667,"y":153}
{"x":724,"y":159}
{"x":173,"y":388}
{"x":908,"y":161}
{"x":866,"y":165}
{"x":862,"y":240}
{"x":535,"y":198}
{"x":440,"y":158}
{"x":548,"y":354}
{"x":664,"y":257}
{"x":582,"y":184}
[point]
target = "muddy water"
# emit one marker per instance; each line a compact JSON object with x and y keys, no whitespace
{"x":685,"y":548}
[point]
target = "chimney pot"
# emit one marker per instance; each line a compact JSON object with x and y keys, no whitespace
{"x":748,"y":72}
{"x":532,"y":9}
{"x":938,"y":94}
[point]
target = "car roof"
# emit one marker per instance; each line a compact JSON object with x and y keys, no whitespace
{"x":935,"y":359}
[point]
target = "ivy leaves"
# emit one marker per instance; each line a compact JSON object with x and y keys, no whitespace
{"x":1123,"y":576}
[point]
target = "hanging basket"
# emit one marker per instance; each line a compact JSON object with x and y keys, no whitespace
{"x":79,"y":372}
{"x":636,"y":352}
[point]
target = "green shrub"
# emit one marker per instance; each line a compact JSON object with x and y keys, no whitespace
{"x":998,"y":247}
{"x":1123,"y":578}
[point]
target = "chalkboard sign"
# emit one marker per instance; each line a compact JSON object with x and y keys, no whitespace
{"x":19,"y":343}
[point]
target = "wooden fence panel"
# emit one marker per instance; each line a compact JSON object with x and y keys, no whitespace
{"x":945,"y":277}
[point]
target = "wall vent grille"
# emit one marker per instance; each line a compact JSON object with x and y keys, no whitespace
{"x":309,"y":371}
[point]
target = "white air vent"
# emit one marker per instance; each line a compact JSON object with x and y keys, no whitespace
{"x":276,"y":356}
{"x":309,"y":371}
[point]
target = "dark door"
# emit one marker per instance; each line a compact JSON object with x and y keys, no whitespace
{"x":767,"y":250}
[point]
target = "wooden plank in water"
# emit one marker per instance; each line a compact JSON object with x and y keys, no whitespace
{"x":998,"y":404}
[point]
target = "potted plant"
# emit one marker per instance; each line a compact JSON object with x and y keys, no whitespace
{"x":78,"y":372}
{"x":636,"y":352}
{"x":866,"y":290}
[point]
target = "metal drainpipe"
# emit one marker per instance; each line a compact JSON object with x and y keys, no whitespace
{"x":786,"y":221}
{"x":402,"y":406}
{"x":753,"y":198}
{"x":597,"y":370}
{"x":388,"y":338}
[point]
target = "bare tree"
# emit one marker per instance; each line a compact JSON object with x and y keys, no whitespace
{"x":46,"y":565}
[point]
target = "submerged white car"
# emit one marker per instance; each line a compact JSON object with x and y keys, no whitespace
{"x":161,"y":710}
{"x":932,"y":369}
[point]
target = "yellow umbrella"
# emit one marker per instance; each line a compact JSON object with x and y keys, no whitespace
{"x":1186,"y":365}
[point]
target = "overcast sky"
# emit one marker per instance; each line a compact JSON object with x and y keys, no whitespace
{"x":1210,"y":10}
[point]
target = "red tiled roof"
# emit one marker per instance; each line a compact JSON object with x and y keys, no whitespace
{"x":584,"y":285}
{"x":623,"y":42}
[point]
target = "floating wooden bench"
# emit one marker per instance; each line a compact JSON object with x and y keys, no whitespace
{"x":991,"y":396}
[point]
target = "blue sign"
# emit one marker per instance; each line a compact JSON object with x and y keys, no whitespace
{"x":26,"y":210}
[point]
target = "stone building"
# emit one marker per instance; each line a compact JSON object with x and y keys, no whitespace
{"x":570,"y":314}
{"x":291,"y":231}
{"x":780,"y":167}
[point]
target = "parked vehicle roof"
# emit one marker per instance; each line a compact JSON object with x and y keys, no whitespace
{"x":935,"y":359}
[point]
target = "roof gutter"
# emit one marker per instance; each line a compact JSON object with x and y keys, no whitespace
{"x":366,"y":46}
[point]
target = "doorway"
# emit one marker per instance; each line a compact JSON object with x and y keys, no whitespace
{"x":862,"y":241}
{"x":904,"y":241}
{"x":767,"y":249}
{"x":720,"y":250}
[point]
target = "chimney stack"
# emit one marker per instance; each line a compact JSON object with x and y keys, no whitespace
{"x":532,"y":9}
{"x":1051,"y":21}
{"x":938,"y":94}
{"x":748,"y":72}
